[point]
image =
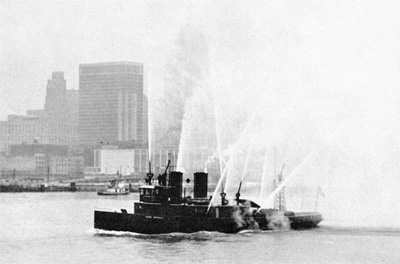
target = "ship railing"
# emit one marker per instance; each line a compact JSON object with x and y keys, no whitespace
{"x":113,"y":210}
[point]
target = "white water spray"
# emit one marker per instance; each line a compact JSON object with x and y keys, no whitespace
{"x":319,"y":77}
{"x":270,"y":198}
{"x":264,"y":176}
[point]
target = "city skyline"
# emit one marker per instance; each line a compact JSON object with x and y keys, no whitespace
{"x":59,"y":36}
{"x":261,"y":115}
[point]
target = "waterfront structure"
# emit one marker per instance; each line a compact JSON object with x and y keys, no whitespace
{"x":72,"y":166}
{"x":110,"y":160}
{"x":112,"y":106}
{"x":41,"y":160}
{"x":41,"y":166}
{"x":24,"y":164}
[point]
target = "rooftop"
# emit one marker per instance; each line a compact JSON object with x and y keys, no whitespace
{"x":110,"y":63}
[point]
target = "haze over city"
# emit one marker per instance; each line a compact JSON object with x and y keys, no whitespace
{"x":302,"y":77}
{"x":192,"y":119}
{"x":40,"y":37}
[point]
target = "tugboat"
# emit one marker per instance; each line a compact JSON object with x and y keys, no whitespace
{"x":163,"y":209}
{"x":115,"y":187}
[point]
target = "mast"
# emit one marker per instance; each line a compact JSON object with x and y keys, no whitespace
{"x":238,"y":193}
{"x":280,"y":201}
{"x":116,"y":183}
{"x":275,"y":162}
{"x":149,"y":174}
{"x":169,"y":161}
{"x":48,"y":174}
{"x":162,"y":178}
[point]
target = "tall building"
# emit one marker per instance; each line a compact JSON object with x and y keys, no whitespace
{"x":61,"y":104}
{"x":112,"y":107}
{"x":56,"y":93}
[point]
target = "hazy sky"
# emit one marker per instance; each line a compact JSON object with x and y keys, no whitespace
{"x":285,"y":43}
{"x":38,"y":37}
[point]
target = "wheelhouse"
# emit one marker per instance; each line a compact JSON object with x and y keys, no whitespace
{"x":159,"y":194}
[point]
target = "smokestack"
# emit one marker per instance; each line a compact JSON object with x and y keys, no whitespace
{"x":200,"y":189}
{"x":175,"y":180}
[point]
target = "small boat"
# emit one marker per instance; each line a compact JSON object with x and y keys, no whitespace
{"x":163,"y":209}
{"x":115,"y":187}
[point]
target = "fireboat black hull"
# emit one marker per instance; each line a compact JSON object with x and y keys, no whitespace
{"x":151,"y":224}
{"x":113,"y":221}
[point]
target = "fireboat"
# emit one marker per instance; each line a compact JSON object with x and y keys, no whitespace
{"x":115,"y":187}
{"x":164,"y":208}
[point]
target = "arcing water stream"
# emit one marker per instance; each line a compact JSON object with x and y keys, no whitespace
{"x":313,"y":77}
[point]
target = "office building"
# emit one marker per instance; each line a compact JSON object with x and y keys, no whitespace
{"x":112,"y":107}
{"x":61,"y":104}
{"x":33,"y":129}
{"x":56,"y":93}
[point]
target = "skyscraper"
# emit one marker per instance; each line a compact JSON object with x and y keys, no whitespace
{"x":56,"y":93}
{"x":61,"y":104}
{"x":112,"y":107}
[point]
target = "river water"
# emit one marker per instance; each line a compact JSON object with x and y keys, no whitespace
{"x":58,"y":228}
